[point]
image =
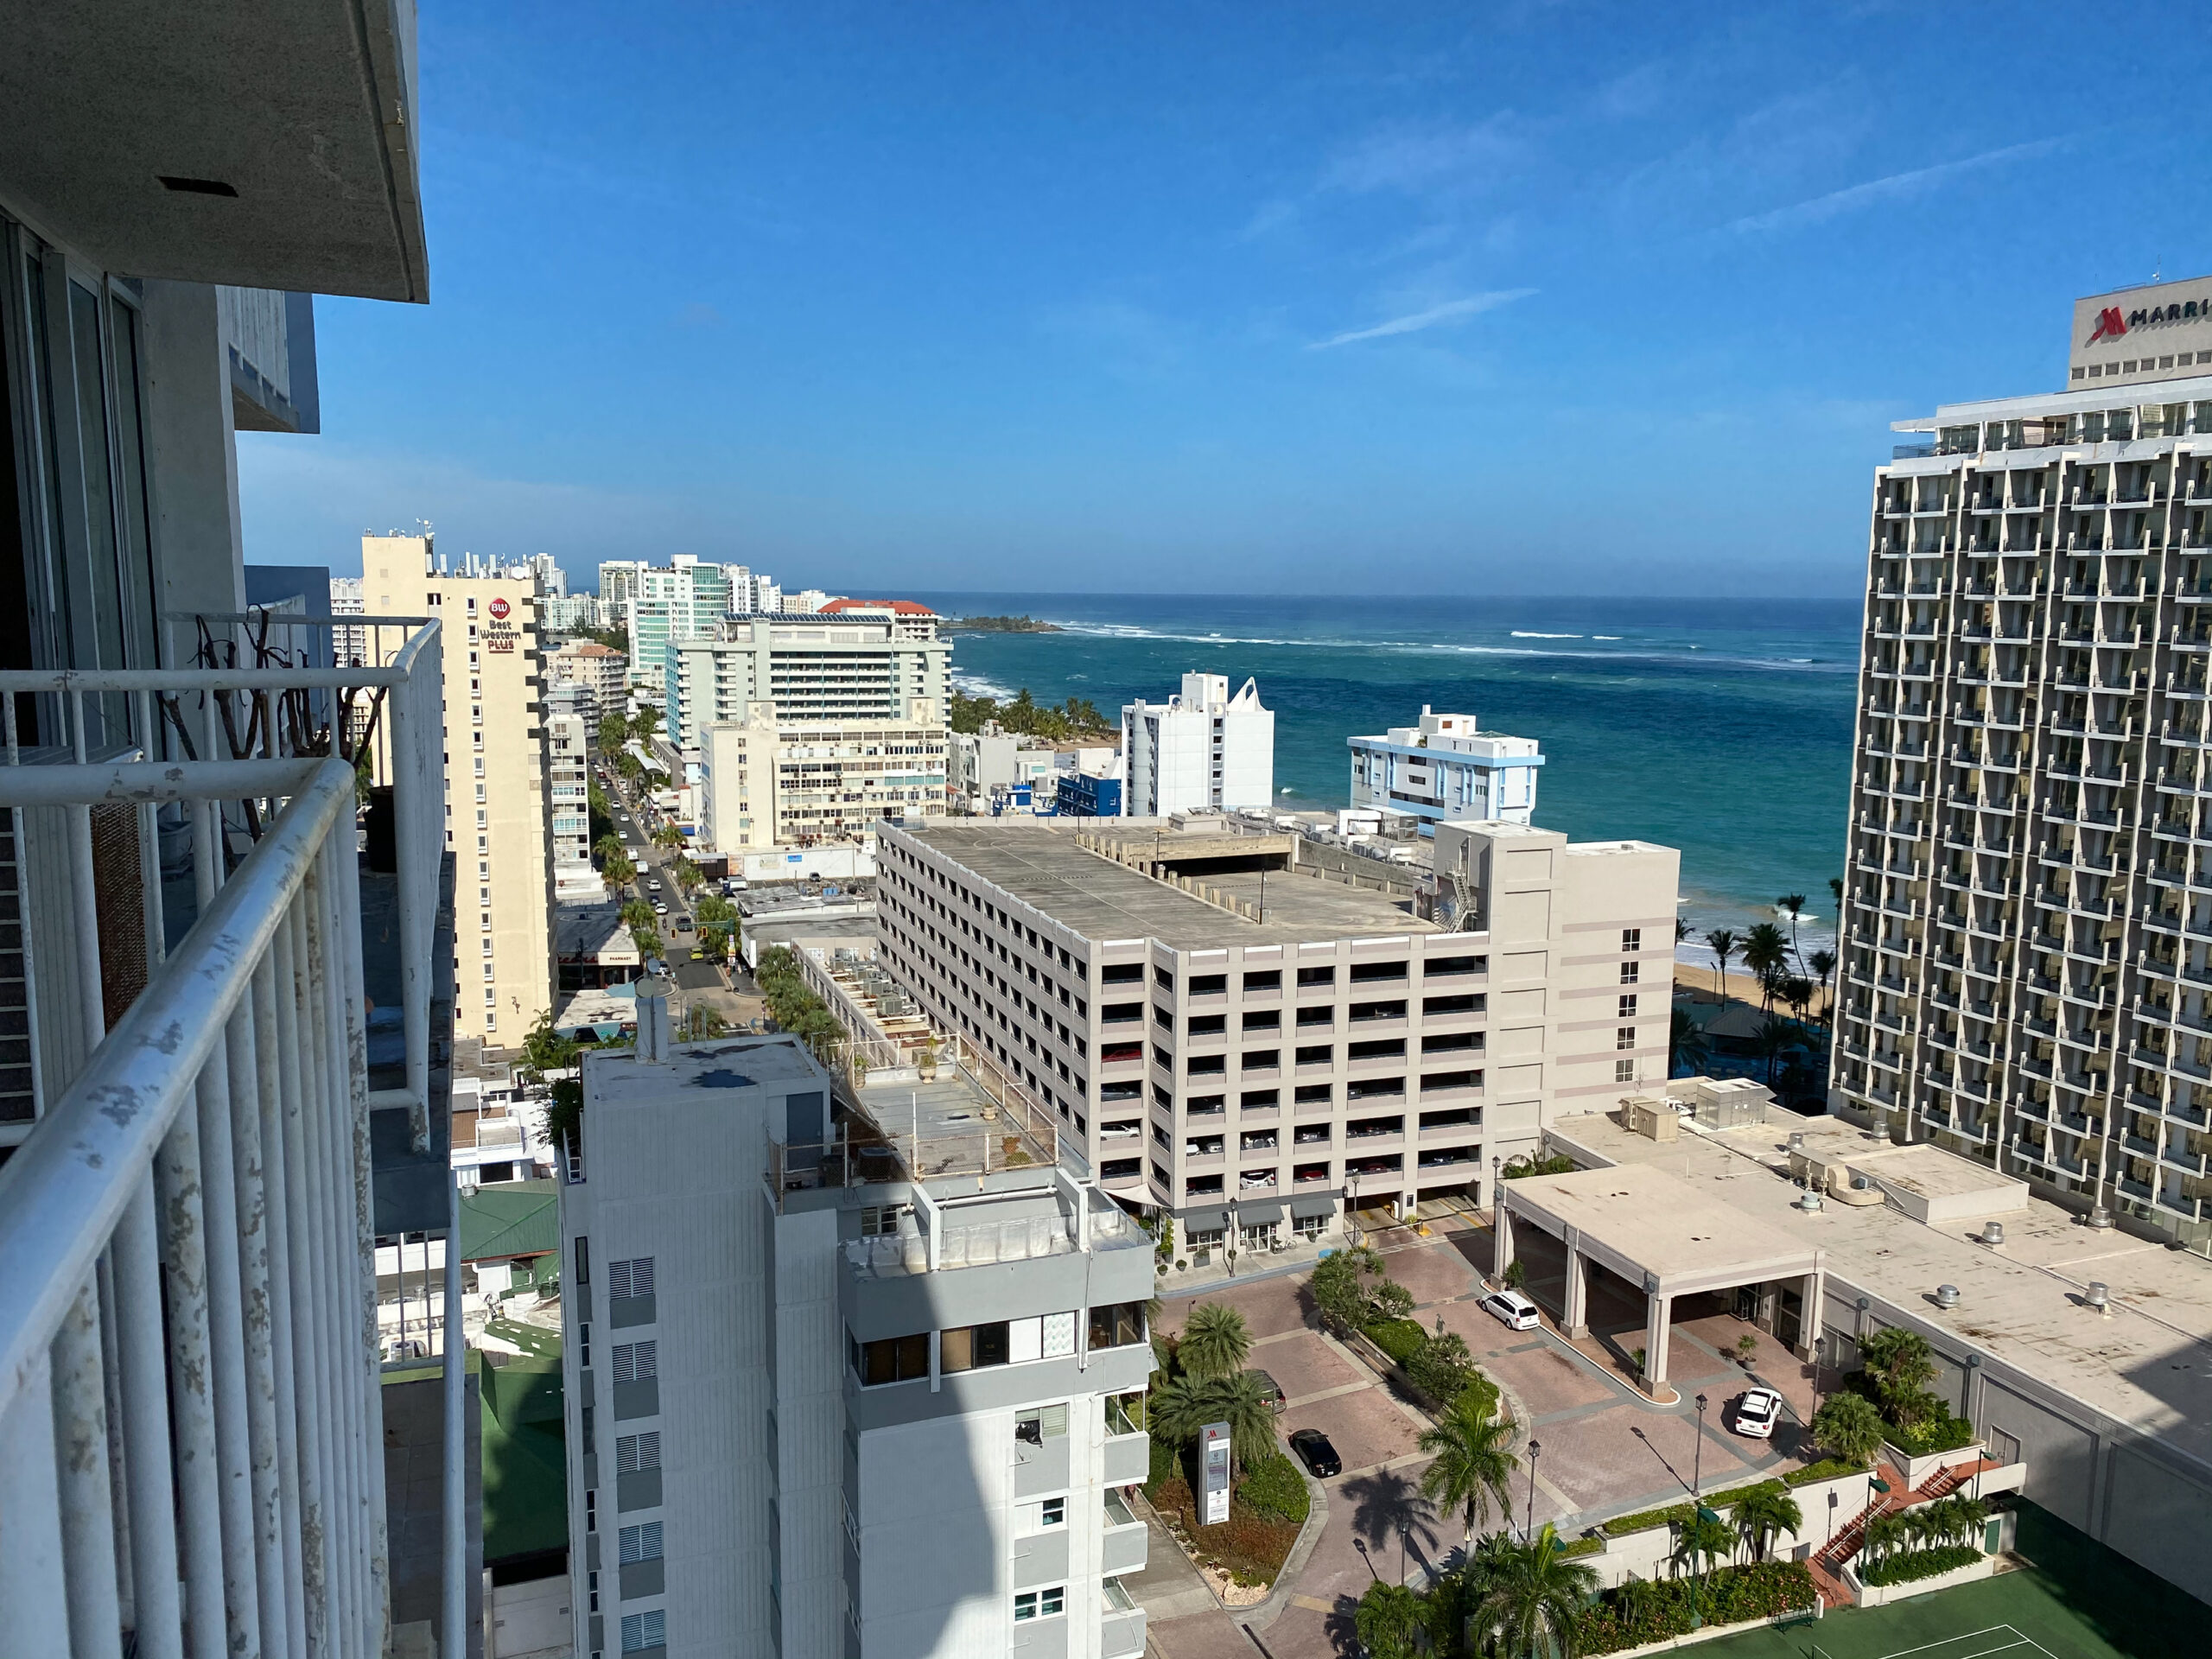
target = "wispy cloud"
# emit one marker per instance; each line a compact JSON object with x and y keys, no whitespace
{"x":1820,"y":209}
{"x":1429,"y":159}
{"x":1414,"y":322}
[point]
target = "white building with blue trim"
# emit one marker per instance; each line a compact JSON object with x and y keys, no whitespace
{"x":1445,"y":769}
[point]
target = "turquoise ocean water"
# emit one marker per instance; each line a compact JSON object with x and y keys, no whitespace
{"x":1722,"y":727}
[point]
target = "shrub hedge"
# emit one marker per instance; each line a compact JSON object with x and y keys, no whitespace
{"x":1275,"y":1491}
{"x":1909,"y":1566}
{"x":1400,"y":1339}
{"x":1679,"y":1515}
{"x":1663,"y":1607}
{"x":1826,"y":1468}
{"x":1931,"y":1434}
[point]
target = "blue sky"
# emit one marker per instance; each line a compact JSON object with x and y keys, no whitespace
{"x":1527,"y":298}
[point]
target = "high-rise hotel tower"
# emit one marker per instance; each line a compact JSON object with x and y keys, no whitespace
{"x":2028,"y":898}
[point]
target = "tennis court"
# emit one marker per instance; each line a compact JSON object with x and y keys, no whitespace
{"x":2078,"y":1600}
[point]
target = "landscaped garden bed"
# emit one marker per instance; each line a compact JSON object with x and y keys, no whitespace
{"x":1244,"y":1556}
{"x":1645,"y":1611}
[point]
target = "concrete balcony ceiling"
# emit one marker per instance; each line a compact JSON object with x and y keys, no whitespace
{"x":287,"y":133}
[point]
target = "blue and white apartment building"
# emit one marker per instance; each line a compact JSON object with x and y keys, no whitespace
{"x":1443,"y":769}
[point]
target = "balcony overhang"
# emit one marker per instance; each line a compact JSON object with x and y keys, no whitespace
{"x":287,"y":134}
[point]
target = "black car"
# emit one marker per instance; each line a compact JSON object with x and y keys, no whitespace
{"x":1317,"y":1453}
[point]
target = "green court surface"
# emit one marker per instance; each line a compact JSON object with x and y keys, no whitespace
{"x":2076,"y":1600}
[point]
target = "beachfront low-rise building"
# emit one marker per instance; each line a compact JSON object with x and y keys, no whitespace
{"x":1444,"y":769}
{"x":1252,"y":1045}
{"x":1202,"y":750}
{"x":847,"y":1377}
{"x":2023,"y":949}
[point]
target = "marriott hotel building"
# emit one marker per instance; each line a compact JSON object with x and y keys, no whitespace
{"x":2027,"y":920}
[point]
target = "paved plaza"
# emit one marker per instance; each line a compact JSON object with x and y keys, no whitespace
{"x":1606,"y":1451}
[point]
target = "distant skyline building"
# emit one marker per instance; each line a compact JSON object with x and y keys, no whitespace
{"x":2023,"y":942}
{"x":568,"y":739}
{"x":832,"y":665}
{"x":498,"y":823}
{"x":1201,"y":749}
{"x":1443,"y":769}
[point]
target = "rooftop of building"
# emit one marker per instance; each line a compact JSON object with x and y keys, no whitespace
{"x":1666,"y":1223}
{"x":2148,"y":1364}
{"x":2182,"y":389}
{"x":1042,"y":864}
{"x":897,"y":606}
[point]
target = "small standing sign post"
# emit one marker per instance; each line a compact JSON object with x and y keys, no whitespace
{"x":1214,"y":1446}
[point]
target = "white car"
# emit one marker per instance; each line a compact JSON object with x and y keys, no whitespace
{"x":1758,"y":1412}
{"x":659,"y":909}
{"x":652,"y":887}
{"x":1513,"y":1310}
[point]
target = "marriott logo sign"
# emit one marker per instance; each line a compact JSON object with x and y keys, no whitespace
{"x":2113,"y":322}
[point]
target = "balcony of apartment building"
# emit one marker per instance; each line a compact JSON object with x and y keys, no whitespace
{"x":237,"y":995}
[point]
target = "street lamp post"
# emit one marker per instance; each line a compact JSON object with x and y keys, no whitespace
{"x":1528,"y":1525}
{"x":1698,"y":1513}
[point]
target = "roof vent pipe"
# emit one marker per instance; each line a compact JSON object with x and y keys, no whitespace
{"x":1946,"y":1296}
{"x":654,"y":1043}
{"x":1992,"y":1233}
{"x":2099,"y":1298}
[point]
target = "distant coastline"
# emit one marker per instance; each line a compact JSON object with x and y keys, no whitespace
{"x":1005,"y":624}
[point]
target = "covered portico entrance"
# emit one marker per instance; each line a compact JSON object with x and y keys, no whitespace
{"x":1597,"y":1239}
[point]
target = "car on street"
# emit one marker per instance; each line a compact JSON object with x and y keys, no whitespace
{"x":684,"y":924}
{"x":653,"y":886}
{"x":1513,"y":1310}
{"x":1758,"y":1412}
{"x":1317,"y":1452}
{"x":659,"y":908}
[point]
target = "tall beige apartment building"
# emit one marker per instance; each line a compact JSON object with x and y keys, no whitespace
{"x":498,"y":826}
{"x":1255,"y":1049}
{"x":2025,"y":917}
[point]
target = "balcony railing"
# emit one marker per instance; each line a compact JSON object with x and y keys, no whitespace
{"x":191,"y":1429}
{"x":219,"y":1132}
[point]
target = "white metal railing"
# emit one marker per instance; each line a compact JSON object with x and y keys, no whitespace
{"x":190,"y":1445}
{"x":385,"y":715}
{"x":191,"y":1458}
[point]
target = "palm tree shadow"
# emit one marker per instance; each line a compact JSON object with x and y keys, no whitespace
{"x":1342,"y":1626}
{"x":1388,"y":1508}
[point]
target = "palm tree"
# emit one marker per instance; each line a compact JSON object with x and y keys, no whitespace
{"x":1688,"y":1053}
{"x":1886,"y":1534}
{"x":1700,"y":1539}
{"x":1765,"y":950}
{"x":1794,"y":905}
{"x":1389,"y":1620}
{"x":1723,"y":944}
{"x":1473,"y":1464}
{"x":1849,"y":1427}
{"x":1763,"y":1513}
{"x":1215,"y":1342}
{"x":1184,"y":1405}
{"x":1533,"y":1609}
{"x":1835,"y":887}
{"x":1681,"y":929}
{"x":1823,"y":962}
{"x":1773,"y":1039}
